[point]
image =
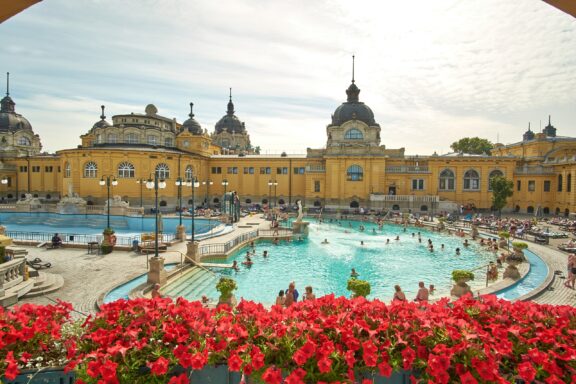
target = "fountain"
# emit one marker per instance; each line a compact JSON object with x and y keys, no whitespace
{"x":72,"y":204}
{"x":300,"y":227}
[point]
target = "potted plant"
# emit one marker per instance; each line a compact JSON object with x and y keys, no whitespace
{"x":226,"y":287}
{"x":461,"y":277}
{"x":504,"y":238}
{"x":515,"y":259}
{"x":358,"y":287}
{"x":108,"y":241}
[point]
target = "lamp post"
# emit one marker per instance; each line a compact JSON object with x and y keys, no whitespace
{"x":107,"y":181}
{"x":207,"y":183}
{"x":194,"y":184}
{"x":225,"y":184}
{"x":142,"y":182}
{"x":4,"y":181}
{"x":155,"y":184}
{"x":272,"y":183}
{"x":179,"y":183}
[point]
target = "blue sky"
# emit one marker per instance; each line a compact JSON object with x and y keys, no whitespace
{"x":432,"y":71}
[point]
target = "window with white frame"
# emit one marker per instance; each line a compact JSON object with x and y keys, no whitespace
{"x":417,"y":184}
{"x":471,"y":180}
{"x":162,"y":171}
{"x":90,"y":169}
{"x":446,"y":180}
{"x":126,"y":170}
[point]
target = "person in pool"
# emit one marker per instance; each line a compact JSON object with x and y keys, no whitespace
{"x":353,"y":273}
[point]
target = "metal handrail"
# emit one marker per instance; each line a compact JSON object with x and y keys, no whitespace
{"x":185,"y":256}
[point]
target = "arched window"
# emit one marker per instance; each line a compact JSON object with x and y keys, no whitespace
{"x":125,"y":170}
{"x":354,"y":204}
{"x":162,"y":171}
{"x":112,"y":138}
{"x":546,"y":210}
{"x":90,"y":169}
{"x":152,"y":140}
{"x":168,"y":142}
{"x":471,"y":180}
{"x":355,"y":173}
{"x":248,"y":201}
{"x":446,"y":180}
{"x":557,"y":211}
{"x":569,"y":183}
{"x":67,"y":170}
{"x":24,"y":141}
{"x":189,"y":173}
{"x":131,"y":138}
{"x":530,"y":209}
{"x":559,"y":183}
{"x":353,"y":134}
{"x":493,"y":174}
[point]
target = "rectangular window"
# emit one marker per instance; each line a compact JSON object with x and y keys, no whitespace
{"x":232,"y":170}
{"x":168,"y":142}
{"x":282,"y":170}
{"x":546,"y":185}
{"x":48,"y":169}
{"x":152,"y":140}
{"x":23,"y":168}
{"x":248,"y":170}
{"x":418,"y":184}
{"x":216,"y":170}
{"x":316,"y":185}
{"x":59,"y":169}
{"x":531,"y":185}
{"x":36,"y":168}
{"x":265,"y":170}
{"x":298,"y":170}
{"x":518,"y":185}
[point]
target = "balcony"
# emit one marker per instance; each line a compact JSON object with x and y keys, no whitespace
{"x":405,"y":198}
{"x":407,"y":169}
{"x":537,"y":170}
{"x":315,"y":169}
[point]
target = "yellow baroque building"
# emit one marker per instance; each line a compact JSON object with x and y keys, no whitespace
{"x":353,"y":169}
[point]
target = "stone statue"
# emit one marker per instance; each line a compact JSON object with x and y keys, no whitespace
{"x":29,"y":199}
{"x":300,"y":211}
{"x":117,"y":202}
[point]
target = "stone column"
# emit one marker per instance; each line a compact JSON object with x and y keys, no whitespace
{"x":157,"y":273}
{"x":181,"y":233}
{"x":192,"y":252}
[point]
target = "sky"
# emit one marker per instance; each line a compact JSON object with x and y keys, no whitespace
{"x":432,"y":71}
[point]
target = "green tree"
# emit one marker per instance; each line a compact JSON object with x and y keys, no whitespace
{"x":472,"y":145}
{"x":502,"y":189}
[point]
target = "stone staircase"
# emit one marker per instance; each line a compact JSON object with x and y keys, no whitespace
{"x":45,"y":283}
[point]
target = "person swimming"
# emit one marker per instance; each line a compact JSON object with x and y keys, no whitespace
{"x":353,"y":273}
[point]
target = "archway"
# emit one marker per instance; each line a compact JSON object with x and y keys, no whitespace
{"x":517,"y":209}
{"x":354,"y":204}
{"x":248,"y":201}
{"x":281,"y":202}
{"x":546,"y":210}
{"x":424,"y":208}
{"x":317,"y":203}
{"x":557,"y":211}
{"x":530,"y":209}
{"x":566,"y":212}
{"x":395,"y":207}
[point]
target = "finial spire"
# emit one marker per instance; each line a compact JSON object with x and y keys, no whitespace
{"x":102,"y":116}
{"x":528,"y":125}
{"x":353,"y":68}
{"x":7,"y":83}
{"x":191,"y":110}
{"x":549,"y":117}
{"x":230,"y":94}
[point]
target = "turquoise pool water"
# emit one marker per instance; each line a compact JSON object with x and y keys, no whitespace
{"x":122,"y":291}
{"x":538,"y":272}
{"x":94,"y":224}
{"x":326,"y":267}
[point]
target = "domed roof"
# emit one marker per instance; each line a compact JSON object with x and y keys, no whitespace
{"x":528,"y":135}
{"x":192,"y":125}
{"x":230,"y":122}
{"x":353,"y":109}
{"x":102,"y":123}
{"x":10,"y":121}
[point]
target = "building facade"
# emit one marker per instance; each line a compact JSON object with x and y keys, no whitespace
{"x":354,"y":169}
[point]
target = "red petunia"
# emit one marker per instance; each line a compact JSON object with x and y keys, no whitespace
{"x":272,"y":376}
{"x":159,"y":367}
{"x":234,"y":363}
{"x":526,"y":371}
{"x":467,"y":378}
{"x":385,"y":369}
{"x":12,"y":368}
{"x":180,"y":379}
{"x":325,"y":364}
{"x":408,"y":356}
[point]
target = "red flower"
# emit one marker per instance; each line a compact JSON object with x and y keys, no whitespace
{"x":159,"y":367}
{"x":181,"y":379}
{"x":296,"y":376}
{"x":108,"y":372}
{"x":385,"y":369}
{"x":526,"y":371}
{"x":467,"y":378}
{"x":12,"y":368}
{"x":272,"y":376}
{"x":199,"y":360}
{"x":325,"y":364}
{"x":350,"y":358}
{"x":408,"y":356}
{"x":235,"y":363}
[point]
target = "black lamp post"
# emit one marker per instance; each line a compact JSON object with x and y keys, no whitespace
{"x":156,"y":184}
{"x":194,"y":184}
{"x":4,"y":181}
{"x":272,"y":183}
{"x":107,"y":181}
{"x":142,"y":182}
{"x":179,"y":183}
{"x":207,"y":183}
{"x":225,"y":184}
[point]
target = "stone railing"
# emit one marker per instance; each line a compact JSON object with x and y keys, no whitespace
{"x":407,"y":169}
{"x":405,"y":198}
{"x":11,"y":273}
{"x":315,"y":169}
{"x":534,"y":171}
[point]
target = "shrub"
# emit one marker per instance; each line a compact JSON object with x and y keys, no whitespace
{"x":2,"y":254}
{"x":504,"y":234}
{"x":519,"y":245}
{"x":358,"y":287}
{"x":226,"y":286}
{"x":461,"y":274}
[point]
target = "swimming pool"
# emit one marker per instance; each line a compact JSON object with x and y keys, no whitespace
{"x":326,"y":267}
{"x":538,"y":272}
{"x":94,"y":224}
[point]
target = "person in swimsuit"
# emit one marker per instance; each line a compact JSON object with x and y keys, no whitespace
{"x":398,"y":295}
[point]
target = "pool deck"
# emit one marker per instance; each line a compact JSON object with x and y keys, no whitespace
{"x":87,"y":276}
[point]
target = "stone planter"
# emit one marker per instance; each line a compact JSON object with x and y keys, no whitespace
{"x":460,"y":288}
{"x":49,"y":375}
{"x":513,"y":261}
{"x":231,"y":301}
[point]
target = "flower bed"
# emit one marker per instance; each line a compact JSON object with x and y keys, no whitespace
{"x":327,"y":340}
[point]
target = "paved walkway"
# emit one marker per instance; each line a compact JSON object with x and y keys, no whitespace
{"x":88,"y":276}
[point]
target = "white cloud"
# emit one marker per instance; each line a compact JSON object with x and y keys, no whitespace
{"x":432,"y":71}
